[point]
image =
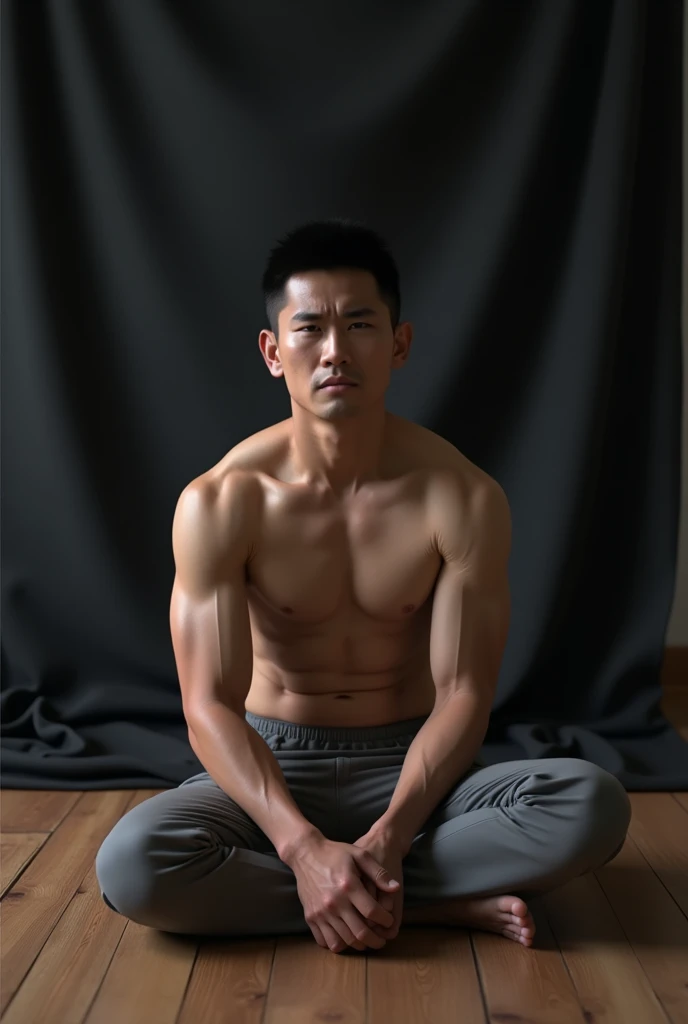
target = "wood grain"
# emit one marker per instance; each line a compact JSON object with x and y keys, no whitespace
{"x":610,"y":982}
{"x":426,"y":975}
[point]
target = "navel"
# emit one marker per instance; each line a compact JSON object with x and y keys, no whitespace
{"x":287,"y":610}
{"x":408,"y":607}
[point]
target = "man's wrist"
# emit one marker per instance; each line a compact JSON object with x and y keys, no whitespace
{"x":297,"y":843}
{"x":387,"y":834}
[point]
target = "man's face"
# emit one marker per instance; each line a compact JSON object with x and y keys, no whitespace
{"x":334,"y":324}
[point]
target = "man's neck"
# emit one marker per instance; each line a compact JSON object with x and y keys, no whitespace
{"x":338,"y":455}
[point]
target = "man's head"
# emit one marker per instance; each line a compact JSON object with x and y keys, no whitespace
{"x":332,"y":298}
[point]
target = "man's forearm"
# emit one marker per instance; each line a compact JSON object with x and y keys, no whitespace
{"x":442,"y":750}
{"x":242,"y":764}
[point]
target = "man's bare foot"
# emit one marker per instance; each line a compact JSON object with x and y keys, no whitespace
{"x":506,"y":915}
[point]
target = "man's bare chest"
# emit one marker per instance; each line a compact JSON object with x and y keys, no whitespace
{"x":374,"y":561}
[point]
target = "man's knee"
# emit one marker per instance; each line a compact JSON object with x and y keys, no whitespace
{"x":606,"y":811}
{"x":615,"y":811}
{"x":124,"y":870}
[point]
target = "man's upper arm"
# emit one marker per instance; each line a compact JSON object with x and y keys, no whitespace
{"x":209,"y":620}
{"x":471,"y":603}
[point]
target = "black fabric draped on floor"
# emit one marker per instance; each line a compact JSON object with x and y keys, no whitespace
{"x":523,"y":162}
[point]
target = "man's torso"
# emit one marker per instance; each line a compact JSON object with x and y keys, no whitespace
{"x":340,"y":591}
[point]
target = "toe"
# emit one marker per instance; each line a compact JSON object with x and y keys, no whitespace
{"x":522,"y":919}
{"x":518,"y":908}
{"x":513,"y":906}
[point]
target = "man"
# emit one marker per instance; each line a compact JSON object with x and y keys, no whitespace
{"x":339,"y":614}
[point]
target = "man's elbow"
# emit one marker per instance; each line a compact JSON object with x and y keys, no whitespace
{"x":479,"y":696}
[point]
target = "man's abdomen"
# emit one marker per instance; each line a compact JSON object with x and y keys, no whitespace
{"x":347,"y":702}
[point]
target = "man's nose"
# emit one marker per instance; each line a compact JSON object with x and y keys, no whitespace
{"x":334,"y":348}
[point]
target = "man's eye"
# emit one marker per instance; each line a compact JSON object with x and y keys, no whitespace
{"x":359,"y":323}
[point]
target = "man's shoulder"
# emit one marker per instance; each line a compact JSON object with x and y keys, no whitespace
{"x":446,"y":465}
{"x":240,"y":466}
{"x":468,"y":510}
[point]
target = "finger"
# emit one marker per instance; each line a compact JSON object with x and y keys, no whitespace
{"x":318,"y":935}
{"x":333,"y":941}
{"x":397,"y":912}
{"x":382,"y":933}
{"x":377,"y":928}
{"x":375,"y":870}
{"x":357,"y":944}
{"x":343,"y":932}
{"x":386,"y":900}
{"x":369,"y":908}
{"x":391,"y":931}
{"x":377,"y":894}
{"x":361,"y":930}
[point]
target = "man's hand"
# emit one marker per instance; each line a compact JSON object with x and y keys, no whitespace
{"x":386,"y":853}
{"x":338,"y":908}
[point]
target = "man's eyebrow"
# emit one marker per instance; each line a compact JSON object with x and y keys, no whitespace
{"x":305,"y":315}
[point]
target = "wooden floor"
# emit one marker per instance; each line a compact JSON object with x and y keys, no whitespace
{"x":611,"y":946}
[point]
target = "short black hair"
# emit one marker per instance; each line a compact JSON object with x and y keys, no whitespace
{"x":334,"y":243}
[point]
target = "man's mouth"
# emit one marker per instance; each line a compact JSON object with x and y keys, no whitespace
{"x":336,"y":383}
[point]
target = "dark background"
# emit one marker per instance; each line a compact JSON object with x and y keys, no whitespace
{"x":523,"y":161}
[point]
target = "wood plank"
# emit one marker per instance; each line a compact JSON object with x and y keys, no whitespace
{"x":682,"y":799}
{"x":229,"y":981}
{"x":36,"y":810}
{"x":17,"y":849}
{"x":659,"y":826}
{"x":70,"y":967}
{"x":310,"y":984}
{"x":426,"y":975}
{"x":522,"y":983}
{"x":146,"y":978}
{"x":604,"y":969}
{"x":654,"y":925}
{"x":32,"y":908}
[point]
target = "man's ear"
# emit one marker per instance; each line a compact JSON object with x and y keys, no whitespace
{"x":269,"y":349}
{"x":403,"y":336}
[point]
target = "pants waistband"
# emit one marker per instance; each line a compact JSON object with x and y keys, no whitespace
{"x":335,"y":734}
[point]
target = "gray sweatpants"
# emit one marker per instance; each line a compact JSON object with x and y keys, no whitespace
{"x":190,"y":860}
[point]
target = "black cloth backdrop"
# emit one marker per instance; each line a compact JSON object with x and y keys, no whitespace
{"x":522,"y":159}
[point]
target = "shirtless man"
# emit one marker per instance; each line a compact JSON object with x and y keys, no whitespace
{"x":342,"y":575}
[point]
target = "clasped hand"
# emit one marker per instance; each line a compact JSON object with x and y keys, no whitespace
{"x":347,"y":892}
